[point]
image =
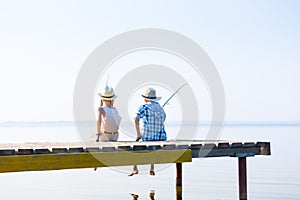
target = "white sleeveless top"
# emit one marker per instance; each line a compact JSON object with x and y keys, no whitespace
{"x":112,"y":119}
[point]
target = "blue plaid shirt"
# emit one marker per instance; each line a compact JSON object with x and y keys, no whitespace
{"x":153,"y":116}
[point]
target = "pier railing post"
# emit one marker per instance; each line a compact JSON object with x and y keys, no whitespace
{"x":178,"y":181}
{"x":242,"y":178}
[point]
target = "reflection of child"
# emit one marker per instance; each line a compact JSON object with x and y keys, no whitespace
{"x":108,"y":118}
{"x":136,"y":197}
{"x":151,"y":194}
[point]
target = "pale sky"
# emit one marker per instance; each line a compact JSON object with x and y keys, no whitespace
{"x":254,"y":45}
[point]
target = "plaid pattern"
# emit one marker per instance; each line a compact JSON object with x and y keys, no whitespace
{"x":153,"y":116}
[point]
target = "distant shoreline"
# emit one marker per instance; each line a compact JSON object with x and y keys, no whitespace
{"x":205,"y":123}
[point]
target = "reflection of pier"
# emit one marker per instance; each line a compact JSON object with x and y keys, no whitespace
{"x":55,"y":156}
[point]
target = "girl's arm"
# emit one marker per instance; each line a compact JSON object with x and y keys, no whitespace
{"x":100,"y":115}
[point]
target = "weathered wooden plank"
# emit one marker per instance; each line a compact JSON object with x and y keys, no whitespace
{"x":76,"y":149}
{"x":195,"y":150}
{"x":124,"y":148}
{"x":169,"y":146}
{"x":209,"y":145}
{"x":7,"y":152}
{"x":59,"y":150}
{"x":41,"y":151}
{"x":196,"y":146}
{"x":140,"y":148}
{"x":108,"y":149}
{"x":249,"y":144}
{"x":236,"y":144}
{"x":92,"y":149}
{"x":223,"y":145}
{"x":154,"y":147}
{"x":25,"y":151}
{"x":183,"y":146}
{"x":90,"y":160}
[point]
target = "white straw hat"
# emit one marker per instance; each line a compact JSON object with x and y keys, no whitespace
{"x":150,"y":94}
{"x":107,"y":93}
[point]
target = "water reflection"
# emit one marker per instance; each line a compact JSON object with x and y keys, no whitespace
{"x":136,"y":196}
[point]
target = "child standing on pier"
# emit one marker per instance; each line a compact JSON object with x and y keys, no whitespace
{"x":153,"y":116}
{"x":108,"y":117}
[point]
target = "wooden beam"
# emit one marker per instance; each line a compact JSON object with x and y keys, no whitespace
{"x":39,"y":162}
{"x":242,"y":178}
{"x":236,"y":149}
{"x":178,"y":181}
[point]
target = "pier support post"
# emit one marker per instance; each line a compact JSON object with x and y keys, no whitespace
{"x":242,"y":178}
{"x":178,"y":181}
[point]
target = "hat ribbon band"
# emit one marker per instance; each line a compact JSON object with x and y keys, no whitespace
{"x":108,"y":96}
{"x":149,"y":97}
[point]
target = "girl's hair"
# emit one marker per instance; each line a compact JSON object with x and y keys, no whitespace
{"x":111,"y":102}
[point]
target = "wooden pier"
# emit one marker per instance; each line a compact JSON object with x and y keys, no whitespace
{"x":56,"y":156}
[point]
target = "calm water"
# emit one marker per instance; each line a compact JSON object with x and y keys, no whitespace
{"x":269,"y":177}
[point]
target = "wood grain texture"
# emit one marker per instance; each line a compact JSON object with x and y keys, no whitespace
{"x":90,"y":160}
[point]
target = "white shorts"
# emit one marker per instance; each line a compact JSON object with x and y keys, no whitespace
{"x":104,"y":137}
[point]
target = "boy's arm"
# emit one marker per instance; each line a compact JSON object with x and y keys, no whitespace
{"x":137,"y":128}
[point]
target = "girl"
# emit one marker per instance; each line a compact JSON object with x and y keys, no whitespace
{"x":108,"y":117}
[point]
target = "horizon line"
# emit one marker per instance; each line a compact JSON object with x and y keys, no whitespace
{"x":201,"y":123}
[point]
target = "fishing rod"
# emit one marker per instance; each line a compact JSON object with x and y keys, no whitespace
{"x":107,"y":79}
{"x":182,"y":86}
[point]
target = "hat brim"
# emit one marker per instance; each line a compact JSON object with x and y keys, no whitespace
{"x":151,"y":99}
{"x":107,"y":98}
